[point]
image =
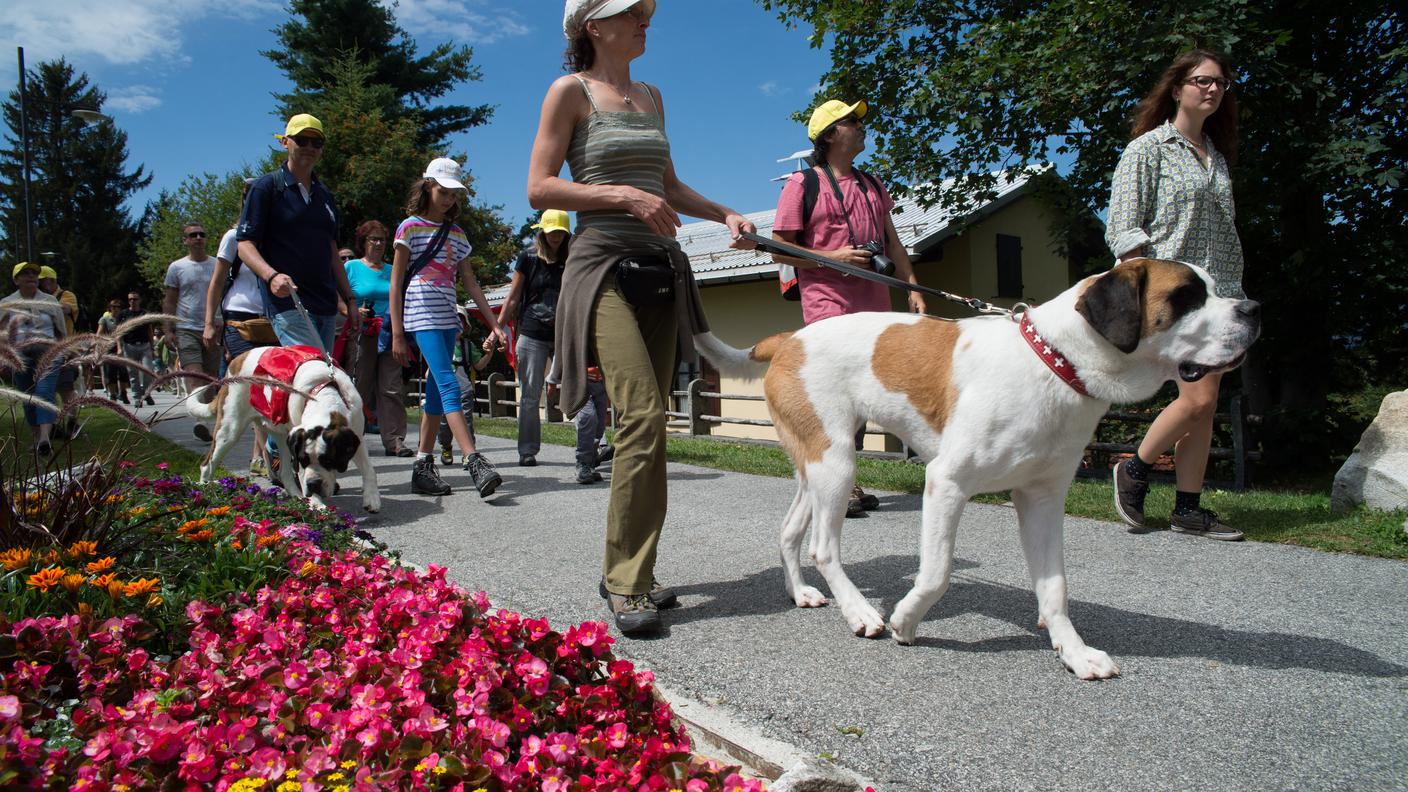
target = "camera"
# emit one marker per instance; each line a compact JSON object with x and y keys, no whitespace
{"x":879,"y":262}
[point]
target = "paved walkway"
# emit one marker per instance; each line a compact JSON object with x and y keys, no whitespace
{"x":1246,"y":666}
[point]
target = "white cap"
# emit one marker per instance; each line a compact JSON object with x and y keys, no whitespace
{"x":447,"y":172}
{"x":577,"y":13}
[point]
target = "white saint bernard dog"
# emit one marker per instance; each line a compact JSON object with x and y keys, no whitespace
{"x":323,"y":433}
{"x":991,"y":404}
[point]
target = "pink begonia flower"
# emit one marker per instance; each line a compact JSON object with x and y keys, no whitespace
{"x":267,"y":763}
{"x":617,"y":734}
{"x":9,"y":707}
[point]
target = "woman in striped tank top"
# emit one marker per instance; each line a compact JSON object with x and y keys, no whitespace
{"x":610,"y":131}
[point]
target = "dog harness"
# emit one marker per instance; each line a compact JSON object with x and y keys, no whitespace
{"x":1052,"y":357}
{"x":279,"y":363}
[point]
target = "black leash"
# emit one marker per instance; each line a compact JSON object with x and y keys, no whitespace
{"x":775,"y":246}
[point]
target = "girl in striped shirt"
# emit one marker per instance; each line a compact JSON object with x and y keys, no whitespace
{"x":427,"y":317}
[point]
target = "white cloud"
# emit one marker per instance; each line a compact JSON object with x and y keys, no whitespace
{"x":133,"y":99}
{"x":771,"y":88}
{"x":458,"y":21}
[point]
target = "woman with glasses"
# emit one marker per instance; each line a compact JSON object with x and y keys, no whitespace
{"x":378,"y":375}
{"x":610,"y":130}
{"x":1172,"y":199}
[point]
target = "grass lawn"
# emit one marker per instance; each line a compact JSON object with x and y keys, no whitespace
{"x":103,"y":434}
{"x":1300,"y":518}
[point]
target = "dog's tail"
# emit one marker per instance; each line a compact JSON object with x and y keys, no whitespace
{"x":741,"y":363}
{"x":202,"y":411}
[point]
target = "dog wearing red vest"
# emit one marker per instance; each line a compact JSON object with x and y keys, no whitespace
{"x":316,"y":424}
{"x":989,"y":404}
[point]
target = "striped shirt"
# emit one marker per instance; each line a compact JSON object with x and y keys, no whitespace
{"x":430,"y":298}
{"x":619,"y":148}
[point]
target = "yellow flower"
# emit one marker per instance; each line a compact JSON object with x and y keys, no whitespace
{"x":46,"y":579}
{"x":101,"y":565}
{"x":137,"y":512}
{"x":117,"y":589}
{"x":438,"y":770}
{"x":72,"y":581}
{"x":336,"y":776}
{"x":348,"y":765}
{"x":307,"y":569}
{"x":82,"y":549}
{"x":420,"y":768}
{"x":290,"y":786}
{"x":111,"y":499}
{"x":340,"y":788}
{"x":247,"y":784}
{"x":16,"y":557}
{"x":291,"y":773}
{"x":141,"y":586}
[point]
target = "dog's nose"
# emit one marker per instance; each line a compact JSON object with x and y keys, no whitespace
{"x":1251,"y":309}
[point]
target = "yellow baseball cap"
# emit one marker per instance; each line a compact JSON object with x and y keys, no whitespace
{"x":22,"y":266}
{"x":554,"y":220}
{"x":302,"y":123}
{"x":48,"y":272}
{"x":831,"y":111}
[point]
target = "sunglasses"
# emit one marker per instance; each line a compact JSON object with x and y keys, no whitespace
{"x":378,"y":240}
{"x":1205,"y":82}
{"x":345,"y":258}
{"x":315,"y":142}
{"x":196,"y":235}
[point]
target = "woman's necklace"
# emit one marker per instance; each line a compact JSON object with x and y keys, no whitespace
{"x":625,"y":95}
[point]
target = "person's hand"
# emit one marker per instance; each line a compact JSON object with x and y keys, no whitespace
{"x":207,"y":337}
{"x":169,"y":339}
{"x":916,"y":303}
{"x":400,"y":349}
{"x":489,"y":345}
{"x":737,"y":223}
{"x":552,"y":391}
{"x":500,"y":338}
{"x":651,"y":210}
{"x":856,"y":257}
{"x":354,"y":318}
{"x":281,"y":285}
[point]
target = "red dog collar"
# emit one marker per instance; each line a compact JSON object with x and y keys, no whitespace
{"x":1053,"y":359}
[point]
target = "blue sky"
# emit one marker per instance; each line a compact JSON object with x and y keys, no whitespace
{"x":186,"y":81}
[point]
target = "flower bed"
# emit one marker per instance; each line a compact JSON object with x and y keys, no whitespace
{"x":339,"y":671}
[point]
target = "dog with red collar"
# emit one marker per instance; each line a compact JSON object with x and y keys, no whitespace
{"x":317,"y":425}
{"x":990,"y":404}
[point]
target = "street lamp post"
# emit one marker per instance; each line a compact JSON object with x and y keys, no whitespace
{"x":85,"y":114}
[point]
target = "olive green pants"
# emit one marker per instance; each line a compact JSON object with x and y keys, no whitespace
{"x":636,"y":349}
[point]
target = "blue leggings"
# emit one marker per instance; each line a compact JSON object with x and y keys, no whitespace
{"x":442,"y":390}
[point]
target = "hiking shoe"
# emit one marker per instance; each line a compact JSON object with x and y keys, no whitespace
{"x":42,"y":448}
{"x":605,"y":454}
{"x":635,"y":614}
{"x":662,"y":596}
{"x":586,"y":475}
{"x":1203,"y":522}
{"x":257,"y":467}
{"x":1129,"y":495}
{"x":486,"y":478}
{"x":854,"y":507}
{"x":124,"y":399}
{"x":527,"y":460}
{"x":447,"y":455}
{"x":200,"y":430}
{"x":867,"y":501}
{"x":425,"y":480}
{"x":152,"y":403}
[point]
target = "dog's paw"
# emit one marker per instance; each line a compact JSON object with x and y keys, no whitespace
{"x":372,"y":505}
{"x":865,"y":621}
{"x":808,"y":597}
{"x":902,"y":632}
{"x":1088,"y":663}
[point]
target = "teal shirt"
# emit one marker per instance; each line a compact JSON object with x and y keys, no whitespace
{"x":369,"y":284}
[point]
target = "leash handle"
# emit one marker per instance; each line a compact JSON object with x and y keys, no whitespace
{"x":308,"y":320}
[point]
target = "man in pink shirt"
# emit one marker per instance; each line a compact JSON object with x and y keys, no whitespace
{"x":851,"y":209}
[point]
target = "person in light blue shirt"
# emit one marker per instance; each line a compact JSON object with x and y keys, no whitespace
{"x":378,"y":374}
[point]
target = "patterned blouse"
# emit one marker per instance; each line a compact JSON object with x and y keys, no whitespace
{"x":1166,"y":200}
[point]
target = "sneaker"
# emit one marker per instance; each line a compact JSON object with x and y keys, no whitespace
{"x":201,"y":431}
{"x":257,"y":467}
{"x":426,"y":481}
{"x":1129,"y":496}
{"x":635,"y":614}
{"x":867,"y":501}
{"x":124,"y":399}
{"x":152,"y":403}
{"x":854,"y":507}
{"x":662,"y":596}
{"x":605,"y":454}
{"x":447,"y":455}
{"x":1203,"y":522}
{"x":43,"y":448}
{"x":586,"y":475}
{"x":486,"y":478}
{"x":527,"y":460}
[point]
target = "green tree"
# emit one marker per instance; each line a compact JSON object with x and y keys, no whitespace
{"x":319,"y":32}
{"x":209,"y":199}
{"x":960,"y":89}
{"x":78,"y":183}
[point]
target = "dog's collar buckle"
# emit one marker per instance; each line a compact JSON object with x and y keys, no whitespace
{"x":1051,"y":356}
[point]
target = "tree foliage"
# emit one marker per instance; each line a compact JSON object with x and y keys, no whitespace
{"x":959,"y":89}
{"x":78,"y":182}
{"x":213,"y":200}
{"x":319,"y":32}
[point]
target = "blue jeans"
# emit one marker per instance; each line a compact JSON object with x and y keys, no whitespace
{"x":442,"y":389}
{"x":532,"y":370}
{"x":591,"y":424}
{"x":44,"y":388}
{"x":293,"y":331}
{"x":140,"y":353}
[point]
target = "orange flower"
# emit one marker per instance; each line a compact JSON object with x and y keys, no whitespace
{"x":84,"y":609}
{"x":192,"y":525}
{"x":141,"y":586}
{"x":101,"y":565}
{"x":82,"y":549}
{"x":51,"y":556}
{"x":111,"y":499}
{"x":236,"y":544}
{"x":105,"y":580}
{"x":45,"y":579}
{"x":137,"y":512}
{"x":16,"y":557}
{"x":154,"y":600}
{"x":218,"y":512}
{"x":307,"y":569}
{"x":116,"y":589}
{"x":201,"y":536}
{"x":268,"y":540}
{"x":72,"y":581}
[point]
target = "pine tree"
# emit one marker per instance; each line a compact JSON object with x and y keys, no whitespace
{"x":78,"y":183}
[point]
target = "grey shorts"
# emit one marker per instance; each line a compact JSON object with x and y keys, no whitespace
{"x":193,"y":353}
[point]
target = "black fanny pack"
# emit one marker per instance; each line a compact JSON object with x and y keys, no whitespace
{"x":646,"y":281}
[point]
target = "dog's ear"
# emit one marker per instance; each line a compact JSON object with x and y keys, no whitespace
{"x":1113,"y":304}
{"x":299,"y":440}
{"x":342,"y":447}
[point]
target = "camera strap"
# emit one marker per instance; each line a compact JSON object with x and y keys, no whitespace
{"x":777,"y":246}
{"x":841,"y":202}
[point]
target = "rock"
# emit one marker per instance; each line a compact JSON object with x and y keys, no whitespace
{"x":1376,"y":474}
{"x":811,"y":775}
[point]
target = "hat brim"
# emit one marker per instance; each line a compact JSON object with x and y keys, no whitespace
{"x":448,"y":183}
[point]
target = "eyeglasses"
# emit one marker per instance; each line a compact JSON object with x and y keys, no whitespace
{"x":378,"y":240}
{"x":196,"y":235}
{"x":1205,"y":82}
{"x":345,"y":258}
{"x":315,"y":142}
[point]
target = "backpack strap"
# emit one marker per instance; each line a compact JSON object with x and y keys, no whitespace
{"x":811,"y":186}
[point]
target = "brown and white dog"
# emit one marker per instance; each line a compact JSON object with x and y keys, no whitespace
{"x":323,"y":434}
{"x":984,"y":402}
